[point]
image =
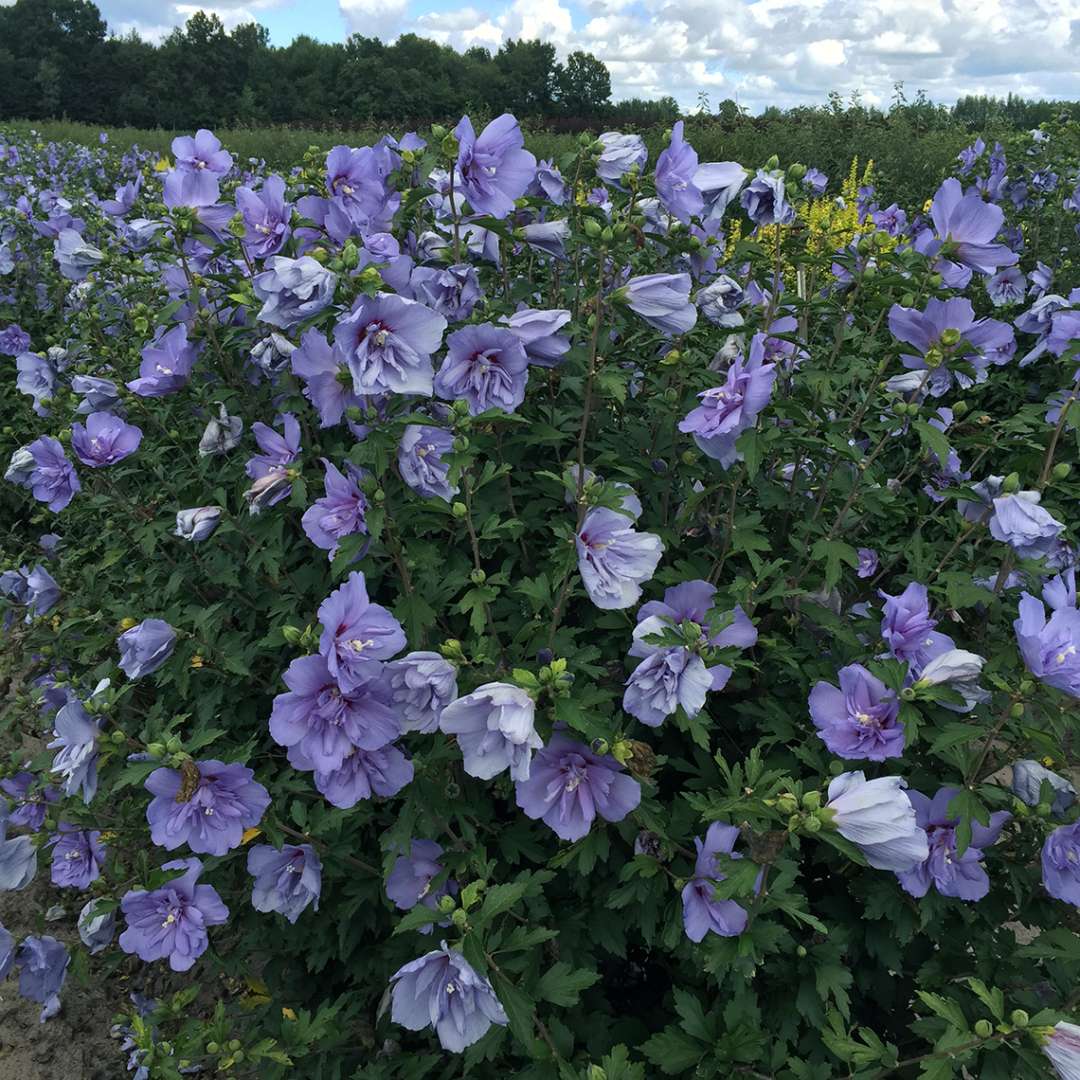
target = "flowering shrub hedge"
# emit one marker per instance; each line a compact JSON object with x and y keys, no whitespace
{"x":594,"y":618}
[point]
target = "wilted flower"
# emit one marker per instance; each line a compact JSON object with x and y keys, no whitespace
{"x":286,"y":881}
{"x":421,"y":684}
{"x":877,"y":816}
{"x":702,"y":912}
{"x":959,"y":670}
{"x":1061,"y":863}
{"x":77,"y":857}
{"x":719,"y":182}
{"x":569,"y":785}
{"x":356,"y":633}
{"x":538,"y":331}
{"x":325,"y":722}
{"x":720,"y":300}
{"x":1020,"y":522}
{"x":197,"y":523}
{"x":614,"y":559}
{"x":76,"y":739}
{"x":105,"y":440}
{"x":145,"y":647}
{"x":170,"y":922}
{"x":1028,"y":778}
{"x":486,"y":367}
{"x":662,"y":300}
{"x":1050,"y":647}
{"x":205,"y":804}
{"x":21,"y":467}
{"x":494,"y":729}
{"x":166,"y":364}
{"x":42,"y":592}
{"x":18,"y":860}
{"x":43,"y":963}
{"x":860,"y":719}
{"x":53,"y":480}
{"x":494,"y":168}
{"x":98,"y":394}
{"x":441,"y":990}
{"x":420,"y":461}
{"x":547,"y":236}
{"x":96,"y":930}
{"x":75,"y":256}
{"x":292,"y":290}
{"x":221,"y":434}
{"x":31,"y":801}
{"x":960,"y":876}
{"x":620,"y":154}
{"x":340,"y":512}
{"x":868,"y":562}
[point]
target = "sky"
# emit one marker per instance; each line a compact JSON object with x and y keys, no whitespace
{"x":759,"y":52}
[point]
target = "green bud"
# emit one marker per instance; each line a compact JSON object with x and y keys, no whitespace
{"x":800,"y":952}
{"x":593,"y":228}
{"x":688,"y":457}
{"x":1061,"y":470}
{"x":934,"y":357}
{"x":794,"y":822}
{"x":596,"y":1072}
{"x":1017,"y":710}
{"x":379,"y":496}
{"x":156,"y":749}
{"x":984,"y":1029}
{"x":118,"y":737}
{"x":621,"y":229}
{"x":212,"y":1048}
{"x":812,"y":800}
{"x":1011,"y":483}
{"x":460,"y":918}
{"x":234,"y":1045}
{"x":478,"y":577}
{"x":960,"y":409}
{"x":437,"y":132}
{"x":606,"y":235}
{"x":797,"y":171}
{"x":812,"y":825}
{"x":787,"y":803}
{"x":1019,"y":1018}
{"x":907,"y":694}
{"x":449,"y":145}
{"x":950,"y":336}
{"x":447,"y":904}
{"x":836,"y":767}
{"x":320,"y":255}
{"x":292,"y":634}
{"x":174,"y":744}
{"x":772,"y":163}
{"x":461,"y":443}
{"x":1026,"y":686}
{"x":907,"y":300}
{"x":459,"y":509}
{"x":935,"y":280}
{"x":597,"y":147}
{"x":1043,"y":810}
{"x":585,"y":138}
{"x":671,"y":358}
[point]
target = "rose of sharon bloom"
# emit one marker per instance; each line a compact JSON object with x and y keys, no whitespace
{"x":614,"y":558}
{"x":166,"y":364}
{"x":877,"y":816}
{"x":1062,"y":1046}
{"x":860,"y":719}
{"x":494,"y":729}
{"x":1024,"y":525}
{"x":266,"y":217}
{"x":410,"y":879}
{"x":361,"y":775}
{"x":421,"y":684}
{"x":200,"y":161}
{"x":1061,"y":864}
{"x":702,"y":912}
{"x":43,"y":593}
{"x":197,"y":523}
{"x":320,"y":365}
{"x":452,"y":291}
{"x":43,"y":964}
{"x":18,"y":860}
{"x":569,"y":785}
{"x":620,"y":154}
{"x":326,"y":722}
{"x":538,"y":331}
{"x":75,"y":257}
{"x":666,"y":679}
{"x":53,"y":480}
{"x":662,"y":300}
{"x":765,"y":200}
{"x":486,"y":367}
{"x":145,"y":647}
{"x":960,"y":876}
{"x":104,"y":440}
{"x":96,"y":930}
{"x":720,"y":300}
{"x":1028,"y":778}
{"x":441,"y":990}
{"x":494,"y":168}
{"x":868,"y":563}
{"x":77,"y":857}
{"x":7,"y":952}
{"x":420,"y":461}
{"x":1050,"y":647}
{"x":292,"y":290}
{"x":340,"y":512}
{"x":31,"y":801}
{"x":959,"y":670}
{"x":170,"y":922}
{"x":675,"y":171}
{"x":286,"y":881}
{"x":387,"y":342}
{"x":76,"y":734}
{"x":908,"y":629}
{"x":356,"y":633}
{"x":206,"y":805}
{"x":719,"y":182}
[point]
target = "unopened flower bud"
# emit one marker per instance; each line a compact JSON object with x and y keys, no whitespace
{"x":772,"y":163}
{"x":1011,"y":483}
{"x":1061,"y":470}
{"x":984,"y":1029}
{"x":800,"y":952}
{"x":1019,"y":1018}
{"x":447,"y":904}
{"x":950,"y":336}
{"x":292,"y":634}
{"x":1017,"y":710}
{"x":156,"y":749}
{"x":459,"y":510}
{"x":787,"y":803}
{"x":234,"y":1045}
{"x":478,"y":577}
{"x":812,"y":825}
{"x":811,"y":800}
{"x":593,"y":228}
{"x":460,"y":918}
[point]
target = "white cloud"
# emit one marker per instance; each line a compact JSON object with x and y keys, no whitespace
{"x":374,"y":18}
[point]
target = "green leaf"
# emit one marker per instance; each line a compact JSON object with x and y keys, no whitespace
{"x":500,"y":898}
{"x":519,"y":1009}
{"x":694,"y":1020}
{"x":673,"y":1052}
{"x":562,"y":986}
{"x":932,"y":440}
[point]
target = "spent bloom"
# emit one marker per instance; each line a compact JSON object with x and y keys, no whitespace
{"x":494,"y":167}
{"x":877,"y":816}
{"x":486,"y":367}
{"x":620,"y":154}
{"x":409,"y":882}
{"x":441,"y":990}
{"x":614,"y":559}
{"x":286,"y":881}
{"x":494,"y":729}
{"x":30,"y":799}
{"x":77,"y":857}
{"x":96,"y":929}
{"x":421,"y":463}
{"x":1028,"y":778}
{"x":666,"y":679}
{"x":104,"y":440}
{"x":145,"y":647}
{"x":569,"y":785}
{"x":860,"y":719}
{"x":357,"y":634}
{"x":538,"y":330}
{"x":959,"y":670}
{"x":421,"y":685}
{"x":43,"y":963}
{"x":662,"y":300}
{"x":170,"y":922}
{"x":197,"y":523}
{"x":221,"y":434}
{"x":205,"y":804}
{"x":18,"y":860}
{"x":960,"y":876}
{"x":702,"y":912}
{"x":75,"y":738}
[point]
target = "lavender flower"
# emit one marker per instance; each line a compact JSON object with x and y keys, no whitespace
{"x":105,"y":440}
{"x":662,"y":300}
{"x":548,"y":184}
{"x":324,"y":722}
{"x":76,"y":739}
{"x":387,"y":342}
{"x":356,"y":632}
{"x":1028,"y":778}
{"x":620,"y":154}
{"x":75,"y":257}
{"x":13,"y":340}
{"x":1020,"y":522}
{"x":421,"y":684}
{"x":206,"y":804}
{"x":321,"y":366}
{"x":53,"y":480}
{"x":860,"y":719}
{"x":31,"y":801}
{"x":36,"y":377}
{"x":266,"y":217}
{"x":420,"y":461}
{"x":96,"y":929}
{"x":410,"y":879}
{"x":569,"y":785}
{"x":42,"y":592}
{"x":452,"y":291}
{"x":868,"y":563}
{"x":765,"y":200}
{"x":441,"y":990}
{"x":538,"y":331}
{"x":1050,"y":647}
{"x":485,"y":366}
{"x":494,"y":729}
{"x":908,"y":629}
{"x":614,"y":559}
{"x":98,"y":394}
{"x":166,"y":364}
{"x":1008,"y":286}
{"x":340,"y":512}
{"x":548,"y":237}
{"x":1061,"y":864}
{"x":663,"y":681}
{"x":145,"y":647}
{"x":719,"y":182}
{"x":43,"y":963}
{"x":675,"y":171}
{"x":878,"y":818}
{"x":221,"y":434}
{"x":286,"y":881}
{"x":960,"y":876}
{"x":18,"y":860}
{"x":702,"y":912}
{"x":362,"y":774}
{"x":170,"y":922}
{"x":7,"y":952}
{"x":1062,"y":1047}
{"x":270,"y":469}
{"x":197,"y":523}
{"x":292,"y":290}
{"x":77,"y":857}
{"x":200,"y":160}
{"x":494,"y":168}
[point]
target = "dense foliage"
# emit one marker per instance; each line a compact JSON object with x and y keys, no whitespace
{"x":652,"y":580}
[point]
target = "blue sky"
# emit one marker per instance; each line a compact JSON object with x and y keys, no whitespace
{"x":760,"y":52}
